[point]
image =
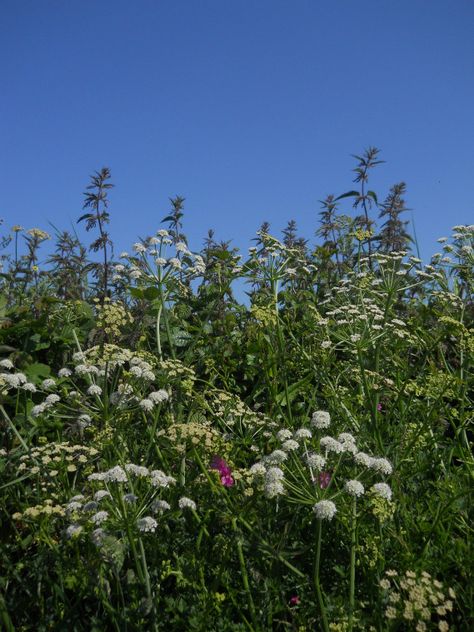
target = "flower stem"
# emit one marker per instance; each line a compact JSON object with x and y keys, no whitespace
{"x":317,"y":583}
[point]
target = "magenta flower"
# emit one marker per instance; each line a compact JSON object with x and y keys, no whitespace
{"x":324,"y":478}
{"x":295,"y":601}
{"x":225,"y":473}
{"x":379,"y":407}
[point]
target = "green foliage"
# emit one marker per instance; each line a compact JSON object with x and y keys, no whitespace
{"x":172,"y":459}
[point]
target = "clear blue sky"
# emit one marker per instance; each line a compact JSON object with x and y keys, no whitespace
{"x":249,"y":109}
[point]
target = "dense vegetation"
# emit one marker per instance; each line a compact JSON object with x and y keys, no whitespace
{"x":173,"y":459}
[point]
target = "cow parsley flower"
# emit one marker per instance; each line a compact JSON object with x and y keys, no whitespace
{"x":158,"y":506}
{"x":186,"y":503}
{"x":316,"y":461}
{"x":159,"y":396}
{"x":102,"y":493}
{"x":381,"y":465}
{"x":147,"y":524}
{"x":354,"y":488}
{"x":49,"y":383}
{"x":321,"y":419}
{"x":361,"y":458}
{"x":147,"y":405}
{"x":383,"y":490}
{"x":100,"y":517}
{"x":283,"y":434}
{"x":6,"y":364}
{"x":290,"y":445}
{"x":274,"y":458}
{"x":73,"y":531}
{"x":303,"y":433}
{"x":331,"y":445}
{"x":160,"y":479}
{"x":94,"y":390}
{"x":325,"y":510}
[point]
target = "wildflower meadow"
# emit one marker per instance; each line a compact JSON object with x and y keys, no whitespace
{"x":210,"y":440}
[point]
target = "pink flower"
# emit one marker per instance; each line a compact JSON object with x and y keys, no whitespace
{"x":295,"y":600}
{"x":324,"y":478}
{"x":379,"y":407}
{"x":225,"y":473}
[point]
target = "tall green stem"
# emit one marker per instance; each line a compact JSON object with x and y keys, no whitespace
{"x":353,"y":563}
{"x":317,"y":583}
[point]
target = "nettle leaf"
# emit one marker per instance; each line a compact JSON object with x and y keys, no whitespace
{"x":348,"y":194}
{"x":151,"y":293}
{"x":181,"y":338}
{"x":37,"y":371}
{"x":136,"y":292}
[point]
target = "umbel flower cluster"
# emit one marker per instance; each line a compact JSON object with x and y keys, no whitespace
{"x":311,"y":469}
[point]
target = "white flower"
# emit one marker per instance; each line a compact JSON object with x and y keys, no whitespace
{"x":64,"y":373}
{"x":290,"y":444}
{"x":49,"y":383}
{"x":130,"y":498}
{"x":274,"y":458}
{"x":29,"y":387}
{"x":158,"y":506}
{"x":361,"y":458}
{"x":97,"y":536}
{"x":382,"y":466}
{"x":273,"y":488}
{"x":135,"y":274}
{"x":73,"y":531}
{"x":116,"y":475}
{"x":331,"y":445}
{"x":160,"y":479}
{"x":326,"y":344}
{"x":160,"y":261}
{"x":181,"y":247}
{"x":321,"y":419}
{"x":154,"y":240}
{"x":303,"y":433}
{"x":158,"y":396}
{"x":383,"y":490}
{"x":102,"y":493}
{"x":6,"y":364}
{"x":38,"y":410}
{"x":73,"y":506}
{"x":123,"y":255}
{"x":316,"y":461}
{"x":355,"y":337}
{"x":324,"y":510}
{"x":176,"y":263}
{"x":186,"y":503}
{"x":284,"y":434}
{"x":100,"y":517}
{"x":162,"y":233}
{"x":52,"y":399}
{"x":147,"y":524}
{"x":94,"y":390}
{"x":259,"y":469}
{"x":354,"y":488}
{"x":137,"y":470}
{"x":147,"y":405}
{"x":139,"y":248}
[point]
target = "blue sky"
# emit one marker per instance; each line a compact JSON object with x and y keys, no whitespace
{"x":249,"y":109}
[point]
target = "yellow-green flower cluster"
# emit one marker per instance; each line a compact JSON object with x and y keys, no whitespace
{"x":417,"y":600}
{"x":36,"y":511}
{"x":112,"y":317}
{"x":53,"y":458}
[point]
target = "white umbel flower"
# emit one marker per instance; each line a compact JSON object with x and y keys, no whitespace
{"x":147,"y":524}
{"x":383,"y":490}
{"x":354,"y":488}
{"x":186,"y":503}
{"x":94,"y":390}
{"x":325,"y":510}
{"x":321,"y":419}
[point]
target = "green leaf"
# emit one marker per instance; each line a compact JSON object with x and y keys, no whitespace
{"x":150,"y":293}
{"x":181,"y":338}
{"x":348,"y":194}
{"x":136,"y":292}
{"x":373,"y":195}
{"x":37,"y":371}
{"x":293,"y":391}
